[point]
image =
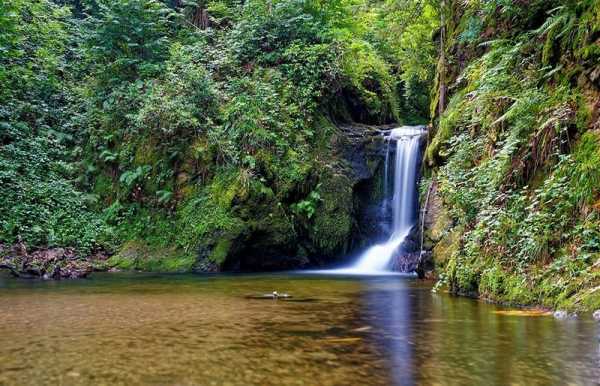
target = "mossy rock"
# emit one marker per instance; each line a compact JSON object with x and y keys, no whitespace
{"x":332,"y":223}
{"x":441,"y":226}
{"x":220,"y":251}
{"x":136,"y":255}
{"x":260,"y":235}
{"x":448,"y":246}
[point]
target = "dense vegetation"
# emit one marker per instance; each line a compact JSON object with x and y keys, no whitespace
{"x":516,"y":152}
{"x":177,"y":132}
{"x":206,"y":134}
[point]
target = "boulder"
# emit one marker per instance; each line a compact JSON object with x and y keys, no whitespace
{"x":405,"y":262}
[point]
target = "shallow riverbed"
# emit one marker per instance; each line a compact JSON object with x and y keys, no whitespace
{"x":205,"y":330}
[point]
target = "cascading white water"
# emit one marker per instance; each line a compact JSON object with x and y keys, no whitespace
{"x":386,"y":174}
{"x":377,"y":259}
{"x":405,"y":179}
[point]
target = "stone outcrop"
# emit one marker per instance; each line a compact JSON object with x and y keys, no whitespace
{"x":346,"y":215}
{"x":50,"y":263}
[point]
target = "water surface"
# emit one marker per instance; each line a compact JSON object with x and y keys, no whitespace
{"x":129,"y":329}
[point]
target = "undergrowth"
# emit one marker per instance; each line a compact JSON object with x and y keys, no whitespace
{"x":519,"y":161}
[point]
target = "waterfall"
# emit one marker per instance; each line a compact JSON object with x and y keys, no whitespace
{"x":386,"y":175}
{"x":405,"y":179}
{"x":377,"y":259}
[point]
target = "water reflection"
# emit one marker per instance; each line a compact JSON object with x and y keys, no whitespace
{"x":388,"y":306}
{"x":438,"y":339}
{"x":197,"y":330}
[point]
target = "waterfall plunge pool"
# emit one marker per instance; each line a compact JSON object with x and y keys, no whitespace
{"x":137,"y":329}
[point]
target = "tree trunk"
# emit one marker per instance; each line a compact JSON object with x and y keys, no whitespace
{"x":442,"y":62}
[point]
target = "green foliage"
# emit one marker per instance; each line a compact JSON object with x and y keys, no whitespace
{"x":128,"y":178}
{"x":403,"y":32}
{"x":520,"y":165}
{"x":267,"y":28}
{"x":33,"y":36}
{"x":472,"y":31}
{"x":370,"y":75}
{"x":149,"y":126}
{"x":127,"y":39}
{"x":571,"y":27}
{"x":308,"y":206}
{"x":40,"y":203}
{"x":183,"y":102}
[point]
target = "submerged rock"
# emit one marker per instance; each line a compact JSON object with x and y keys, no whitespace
{"x":274,"y":295}
{"x":277,"y":295}
{"x":596,"y":315}
{"x":560,"y":314}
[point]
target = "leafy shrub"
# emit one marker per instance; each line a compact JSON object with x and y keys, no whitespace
{"x":308,"y":206}
{"x":267,"y":28}
{"x":127,"y":39}
{"x":39,"y":203}
{"x":520,"y":168}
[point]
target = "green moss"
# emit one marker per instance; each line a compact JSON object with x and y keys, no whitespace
{"x":146,"y":151}
{"x":586,"y":177}
{"x":440,"y":227}
{"x":220,"y":251}
{"x":332,"y":222}
{"x":447,"y":247}
{"x":135,"y":255}
{"x":226,"y":186}
{"x":583,"y":116}
{"x":202,"y":220}
{"x":447,"y":125}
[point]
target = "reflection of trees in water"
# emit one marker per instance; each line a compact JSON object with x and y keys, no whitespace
{"x":439,"y":339}
{"x":476,"y":345}
{"x":435,"y":338}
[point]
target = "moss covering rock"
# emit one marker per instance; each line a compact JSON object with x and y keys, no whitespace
{"x":515,"y":154}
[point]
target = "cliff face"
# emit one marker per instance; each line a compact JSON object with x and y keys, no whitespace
{"x":248,"y":222}
{"x":347,"y":184}
{"x":514,"y":158}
